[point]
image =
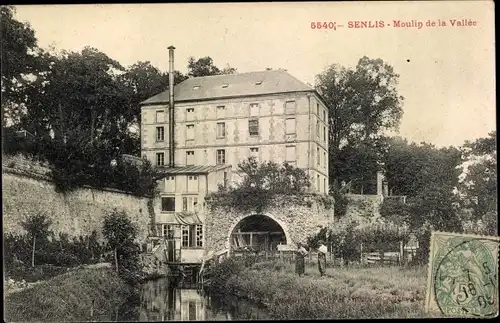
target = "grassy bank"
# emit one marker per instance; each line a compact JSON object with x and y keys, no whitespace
{"x":68,"y":297}
{"x":388,"y":292}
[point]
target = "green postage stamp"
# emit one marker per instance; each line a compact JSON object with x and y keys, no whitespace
{"x":463,"y":275}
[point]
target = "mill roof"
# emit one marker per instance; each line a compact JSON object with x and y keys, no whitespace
{"x":232,"y":85}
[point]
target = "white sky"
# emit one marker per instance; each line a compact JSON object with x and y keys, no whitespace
{"x":448,"y":83}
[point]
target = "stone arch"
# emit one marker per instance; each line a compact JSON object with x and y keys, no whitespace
{"x":242,"y":217}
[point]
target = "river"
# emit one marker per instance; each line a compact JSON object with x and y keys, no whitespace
{"x":157,"y":300}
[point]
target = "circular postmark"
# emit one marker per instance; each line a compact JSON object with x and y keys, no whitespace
{"x":465,"y":281}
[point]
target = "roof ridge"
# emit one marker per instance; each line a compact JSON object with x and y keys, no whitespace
{"x":233,"y":74}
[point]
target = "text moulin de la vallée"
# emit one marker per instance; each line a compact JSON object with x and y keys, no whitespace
{"x":418,"y":24}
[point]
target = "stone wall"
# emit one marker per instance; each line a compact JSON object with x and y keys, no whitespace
{"x":299,"y":217}
{"x":363,"y":208}
{"x":26,"y":193}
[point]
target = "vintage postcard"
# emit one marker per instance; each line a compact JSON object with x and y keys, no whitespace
{"x":247,"y":161}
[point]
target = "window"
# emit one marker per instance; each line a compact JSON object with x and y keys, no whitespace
{"x":290,"y":107}
{"x":160,"y":159}
{"x":324,"y":115}
{"x":253,"y":127}
{"x":318,"y":156}
{"x":254,"y":152}
{"x":324,"y":185}
{"x":317,"y":109}
{"x":221,"y":129}
{"x":221,"y":156}
{"x":290,"y":154}
{"x":160,"y":134}
{"x":324,"y":134}
{"x":192,"y":183}
{"x":190,"y":203}
{"x":199,"y":235}
{"x":290,"y":126}
{"x":189,"y":113}
{"x":317,"y":129}
{"x":254,"y":109}
{"x":192,"y":236}
{"x":160,"y":116}
{"x":324,"y":159}
{"x":168,"y":231}
{"x":190,"y":132}
{"x":168,"y":204}
{"x":318,"y":183}
{"x":221,"y":111}
{"x":189,"y":158}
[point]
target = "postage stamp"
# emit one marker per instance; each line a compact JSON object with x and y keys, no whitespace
{"x":463,"y":275}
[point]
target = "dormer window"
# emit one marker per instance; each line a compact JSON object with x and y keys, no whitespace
{"x":258,"y":83}
{"x":225,"y":86}
{"x":196,"y":87}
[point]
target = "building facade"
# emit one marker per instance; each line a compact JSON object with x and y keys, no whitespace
{"x":212,"y":127}
{"x":219,"y":121}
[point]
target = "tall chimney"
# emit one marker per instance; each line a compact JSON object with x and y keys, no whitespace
{"x":171,"y":120}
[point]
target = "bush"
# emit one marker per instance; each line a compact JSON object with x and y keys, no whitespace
{"x":221,"y":272}
{"x":60,"y":258}
{"x":62,"y":252}
{"x":120,"y":234}
{"x":341,"y":202}
{"x":29,"y":274}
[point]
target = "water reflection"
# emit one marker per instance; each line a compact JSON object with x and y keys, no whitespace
{"x":161,"y":302}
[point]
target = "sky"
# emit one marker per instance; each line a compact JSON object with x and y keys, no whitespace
{"x":447,"y":73}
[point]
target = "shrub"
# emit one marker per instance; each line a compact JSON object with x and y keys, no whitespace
{"x":341,"y":202}
{"x":221,"y":272}
{"x":120,"y":234}
{"x":29,"y":274}
{"x":60,"y":258}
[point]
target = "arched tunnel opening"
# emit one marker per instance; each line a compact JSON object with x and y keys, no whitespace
{"x":259,"y":232}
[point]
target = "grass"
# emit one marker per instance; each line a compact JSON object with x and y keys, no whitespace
{"x":68,"y":297}
{"x":383,"y":292}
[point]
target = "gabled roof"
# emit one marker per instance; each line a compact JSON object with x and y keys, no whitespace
{"x":233,"y":85}
{"x":192,"y":170}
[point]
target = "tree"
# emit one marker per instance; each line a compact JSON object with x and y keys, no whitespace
{"x":478,"y":188}
{"x":272,"y":177}
{"x":361,"y":104}
{"x":205,"y":66}
{"x":37,"y":227}
{"x":261,"y":182}
{"x":143,"y":80}
{"x":120,"y":234}
{"x":19,"y":48}
{"x":429,"y":177}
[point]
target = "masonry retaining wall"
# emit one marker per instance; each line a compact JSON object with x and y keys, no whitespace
{"x":76,"y":213}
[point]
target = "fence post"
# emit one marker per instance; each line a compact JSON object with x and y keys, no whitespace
{"x":361,"y":253}
{"x":401,"y":252}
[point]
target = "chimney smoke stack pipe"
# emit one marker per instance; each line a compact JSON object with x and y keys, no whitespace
{"x":171,"y":119}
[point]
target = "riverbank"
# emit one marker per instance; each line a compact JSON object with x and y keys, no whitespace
{"x":73,"y":296}
{"x":384,"y":292}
